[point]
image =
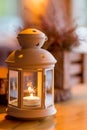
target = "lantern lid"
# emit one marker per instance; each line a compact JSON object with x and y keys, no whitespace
{"x":31,"y":53}
{"x":30,"y":57}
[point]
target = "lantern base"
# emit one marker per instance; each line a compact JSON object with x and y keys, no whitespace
{"x":30,"y":114}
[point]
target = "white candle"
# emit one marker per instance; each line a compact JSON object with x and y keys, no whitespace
{"x":31,"y":100}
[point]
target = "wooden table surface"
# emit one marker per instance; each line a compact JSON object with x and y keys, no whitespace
{"x":71,"y":115}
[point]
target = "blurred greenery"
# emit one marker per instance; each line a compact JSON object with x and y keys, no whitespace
{"x":2,"y":7}
{"x":8,"y":7}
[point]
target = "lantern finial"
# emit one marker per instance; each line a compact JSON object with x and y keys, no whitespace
{"x":31,"y":38}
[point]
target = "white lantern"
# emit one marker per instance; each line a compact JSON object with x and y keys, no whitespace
{"x":31,"y":78}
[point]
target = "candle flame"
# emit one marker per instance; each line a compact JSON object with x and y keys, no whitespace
{"x":31,"y":95}
{"x":31,"y":90}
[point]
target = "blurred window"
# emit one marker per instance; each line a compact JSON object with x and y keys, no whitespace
{"x":79,"y":11}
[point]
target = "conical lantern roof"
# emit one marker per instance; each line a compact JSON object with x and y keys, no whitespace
{"x":31,"y":54}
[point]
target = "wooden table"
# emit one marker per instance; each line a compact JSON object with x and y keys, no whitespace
{"x":71,"y":115}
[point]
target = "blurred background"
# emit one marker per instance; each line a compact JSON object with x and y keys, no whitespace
{"x":10,"y":22}
{"x":18,"y":14}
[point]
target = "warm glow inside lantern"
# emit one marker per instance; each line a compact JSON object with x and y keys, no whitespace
{"x":31,"y":78}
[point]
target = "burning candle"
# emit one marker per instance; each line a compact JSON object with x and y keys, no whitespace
{"x":31,"y":100}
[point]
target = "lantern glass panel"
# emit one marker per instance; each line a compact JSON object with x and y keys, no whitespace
{"x":13,"y":87}
{"x":32,"y":87}
{"x":49,"y":88}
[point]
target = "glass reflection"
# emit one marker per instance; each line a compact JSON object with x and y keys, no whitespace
{"x":13,"y":87}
